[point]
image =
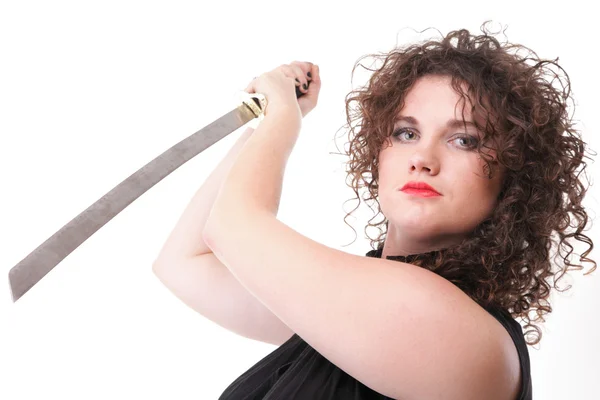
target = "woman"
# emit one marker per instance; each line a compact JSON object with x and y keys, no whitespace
{"x":468,"y":150}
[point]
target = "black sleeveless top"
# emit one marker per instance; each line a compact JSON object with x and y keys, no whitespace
{"x":296,"y":371}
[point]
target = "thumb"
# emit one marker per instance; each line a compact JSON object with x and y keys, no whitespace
{"x":250,"y":87}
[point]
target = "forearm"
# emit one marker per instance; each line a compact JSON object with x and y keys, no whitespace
{"x":186,"y":239}
{"x":254,"y":183}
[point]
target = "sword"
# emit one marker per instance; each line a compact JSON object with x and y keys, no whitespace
{"x":51,"y":252}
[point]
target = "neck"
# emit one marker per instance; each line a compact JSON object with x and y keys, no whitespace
{"x":399,"y":244}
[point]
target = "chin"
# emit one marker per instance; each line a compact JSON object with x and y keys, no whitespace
{"x":417,"y":228}
{"x":418,"y":217}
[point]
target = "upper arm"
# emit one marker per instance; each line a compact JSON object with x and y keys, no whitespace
{"x":455,"y":351}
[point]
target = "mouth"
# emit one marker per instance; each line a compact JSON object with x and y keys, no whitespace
{"x":421,"y":189}
{"x":420,"y":192}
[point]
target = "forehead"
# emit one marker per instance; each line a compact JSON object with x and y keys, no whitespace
{"x":433,"y":91}
{"x":434,"y":95}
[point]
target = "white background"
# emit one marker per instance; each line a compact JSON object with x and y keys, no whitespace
{"x":91,"y":91}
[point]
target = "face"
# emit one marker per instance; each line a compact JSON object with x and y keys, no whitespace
{"x":426,"y":147}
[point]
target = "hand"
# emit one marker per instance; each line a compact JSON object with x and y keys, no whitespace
{"x":279,"y":87}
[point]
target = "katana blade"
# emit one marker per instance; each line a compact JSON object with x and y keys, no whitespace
{"x":50,"y":253}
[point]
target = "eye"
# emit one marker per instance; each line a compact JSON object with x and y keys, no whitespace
{"x":465,"y":142}
{"x":402,"y":131}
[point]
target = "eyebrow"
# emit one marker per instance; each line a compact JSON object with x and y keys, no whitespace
{"x":453,"y":123}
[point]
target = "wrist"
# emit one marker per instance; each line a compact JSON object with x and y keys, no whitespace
{"x":284,"y":115}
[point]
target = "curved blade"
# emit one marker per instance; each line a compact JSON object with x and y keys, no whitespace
{"x":46,"y":256}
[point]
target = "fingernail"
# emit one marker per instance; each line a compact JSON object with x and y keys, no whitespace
{"x":304,"y":86}
{"x":309,"y":74}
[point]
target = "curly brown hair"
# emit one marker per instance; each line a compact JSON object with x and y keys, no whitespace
{"x":505,"y":262}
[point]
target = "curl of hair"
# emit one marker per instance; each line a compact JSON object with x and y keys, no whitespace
{"x":506,"y":261}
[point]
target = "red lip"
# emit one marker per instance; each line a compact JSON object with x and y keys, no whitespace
{"x":422,"y":187}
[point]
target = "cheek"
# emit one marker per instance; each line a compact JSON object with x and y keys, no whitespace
{"x":472,"y":187}
{"x":476,"y":198}
{"x":388,"y":169}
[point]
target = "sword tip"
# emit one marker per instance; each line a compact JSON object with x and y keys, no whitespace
{"x":16,"y":290}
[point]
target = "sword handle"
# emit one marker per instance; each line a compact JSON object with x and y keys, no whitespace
{"x":298,"y":94}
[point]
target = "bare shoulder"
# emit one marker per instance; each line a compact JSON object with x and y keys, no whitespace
{"x":490,"y":356}
{"x":510,"y":365}
{"x":465,"y":340}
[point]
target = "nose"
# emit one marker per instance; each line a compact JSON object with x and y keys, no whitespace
{"x":424,"y":158}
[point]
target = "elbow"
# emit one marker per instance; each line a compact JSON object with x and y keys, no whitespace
{"x":157,"y":266}
{"x":159,"y":261}
{"x":162,"y":262}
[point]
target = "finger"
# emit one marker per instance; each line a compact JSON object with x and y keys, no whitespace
{"x":306,"y":68}
{"x":250,"y":87}
{"x":291,"y":73}
{"x":312,"y":94}
{"x":316,"y":79}
{"x":316,"y":74}
{"x":300,"y":77}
